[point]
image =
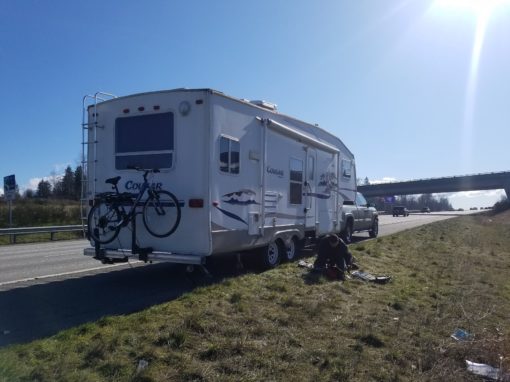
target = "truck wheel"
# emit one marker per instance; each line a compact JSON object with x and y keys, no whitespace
{"x":292,"y":250}
{"x":374,"y":231}
{"x":271,"y":255}
{"x":347,"y":234}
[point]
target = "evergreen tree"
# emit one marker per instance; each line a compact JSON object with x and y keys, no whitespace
{"x":58,"y":188}
{"x":77,"y":182}
{"x":44,"y":189}
{"x":68,"y":183}
{"x":29,"y":193}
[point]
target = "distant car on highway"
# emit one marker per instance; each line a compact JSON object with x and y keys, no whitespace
{"x":425,"y":209}
{"x":400,"y":210}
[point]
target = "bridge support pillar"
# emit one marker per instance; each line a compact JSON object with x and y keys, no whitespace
{"x":507,"y":189}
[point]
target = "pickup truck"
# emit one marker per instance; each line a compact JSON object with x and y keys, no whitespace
{"x":358,"y":216}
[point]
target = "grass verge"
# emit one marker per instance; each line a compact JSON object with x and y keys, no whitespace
{"x":288,"y":325}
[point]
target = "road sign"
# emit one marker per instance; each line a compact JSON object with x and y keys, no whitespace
{"x":10,"y":187}
{"x":389,"y":199}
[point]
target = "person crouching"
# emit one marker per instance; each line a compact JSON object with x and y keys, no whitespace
{"x":333,"y":257}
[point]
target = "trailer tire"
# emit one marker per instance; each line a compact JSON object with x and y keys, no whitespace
{"x":292,"y":250}
{"x":270,"y":256}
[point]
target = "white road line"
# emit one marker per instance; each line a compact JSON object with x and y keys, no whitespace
{"x":67,"y":273}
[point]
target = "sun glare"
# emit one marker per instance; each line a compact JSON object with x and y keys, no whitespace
{"x":482,"y":11}
{"x":481,"y":8}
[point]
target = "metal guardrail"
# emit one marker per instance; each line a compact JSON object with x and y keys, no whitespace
{"x":52,"y":230}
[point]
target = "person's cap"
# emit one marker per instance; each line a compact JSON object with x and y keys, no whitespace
{"x":333,"y":239}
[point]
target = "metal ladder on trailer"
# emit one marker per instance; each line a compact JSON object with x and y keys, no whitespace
{"x":89,"y":139}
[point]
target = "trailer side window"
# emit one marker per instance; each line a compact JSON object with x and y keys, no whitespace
{"x":296,"y":181}
{"x":145,"y":141}
{"x":346,"y":168}
{"x":229,"y":155}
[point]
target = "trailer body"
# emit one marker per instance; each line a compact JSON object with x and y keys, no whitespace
{"x":246,"y":176}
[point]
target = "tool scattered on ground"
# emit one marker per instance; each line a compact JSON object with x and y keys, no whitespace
{"x":305,"y":264}
{"x":365,"y":276}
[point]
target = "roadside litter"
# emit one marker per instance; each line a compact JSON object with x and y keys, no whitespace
{"x":487,"y":371}
{"x":142,"y":365}
{"x":461,"y":335}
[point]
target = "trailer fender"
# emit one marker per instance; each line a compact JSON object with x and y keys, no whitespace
{"x":287,"y":235}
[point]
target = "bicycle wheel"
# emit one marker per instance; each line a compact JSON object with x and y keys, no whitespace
{"x":161,"y":213}
{"x":103,"y":222}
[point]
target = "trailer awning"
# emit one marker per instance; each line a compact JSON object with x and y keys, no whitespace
{"x":299,"y":136}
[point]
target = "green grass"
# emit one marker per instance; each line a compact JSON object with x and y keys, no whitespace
{"x":287,"y":325}
{"x":39,"y":213}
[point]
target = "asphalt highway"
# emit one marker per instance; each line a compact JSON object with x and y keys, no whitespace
{"x":389,"y":225}
{"x":47,"y":287}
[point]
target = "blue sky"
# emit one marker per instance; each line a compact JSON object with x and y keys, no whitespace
{"x":396,"y":80}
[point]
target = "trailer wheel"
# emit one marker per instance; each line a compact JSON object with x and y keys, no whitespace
{"x":271,"y":255}
{"x":292,"y":250}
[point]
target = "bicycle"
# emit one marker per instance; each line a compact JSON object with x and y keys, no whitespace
{"x":161,"y":210}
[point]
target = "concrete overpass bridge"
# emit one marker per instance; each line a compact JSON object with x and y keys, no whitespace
{"x":489,"y":181}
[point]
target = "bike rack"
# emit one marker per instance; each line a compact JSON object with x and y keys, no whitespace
{"x":142,"y":252}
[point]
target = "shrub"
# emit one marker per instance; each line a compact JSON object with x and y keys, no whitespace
{"x":501,"y":206}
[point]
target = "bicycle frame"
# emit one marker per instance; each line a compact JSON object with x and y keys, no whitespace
{"x":131,"y":214}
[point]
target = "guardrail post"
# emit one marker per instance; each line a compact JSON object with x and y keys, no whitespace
{"x":52,"y":236}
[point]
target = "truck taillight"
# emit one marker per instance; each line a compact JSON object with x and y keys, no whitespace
{"x":196,"y":203}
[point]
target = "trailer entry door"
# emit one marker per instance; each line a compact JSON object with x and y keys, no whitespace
{"x":310,"y":189}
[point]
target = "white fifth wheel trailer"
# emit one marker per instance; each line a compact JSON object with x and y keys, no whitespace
{"x":246,"y":177}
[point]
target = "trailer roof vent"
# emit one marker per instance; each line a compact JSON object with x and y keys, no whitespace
{"x":265,"y":104}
